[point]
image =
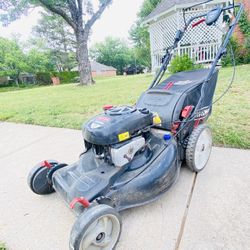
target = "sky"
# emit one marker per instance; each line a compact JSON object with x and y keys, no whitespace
{"x":115,"y":21}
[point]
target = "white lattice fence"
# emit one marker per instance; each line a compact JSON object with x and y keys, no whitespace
{"x":200,"y":43}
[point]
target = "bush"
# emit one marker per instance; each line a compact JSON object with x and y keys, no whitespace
{"x":67,"y":76}
{"x":241,"y":53}
{"x":2,"y":246}
{"x":43,"y":78}
{"x":227,"y":59}
{"x":182,"y":63}
{"x":244,"y":23}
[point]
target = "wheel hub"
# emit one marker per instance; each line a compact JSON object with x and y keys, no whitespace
{"x":100,"y":237}
{"x":102,"y":234}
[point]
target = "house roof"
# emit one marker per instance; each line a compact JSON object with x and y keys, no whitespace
{"x":165,"y":5}
{"x":97,"y":67}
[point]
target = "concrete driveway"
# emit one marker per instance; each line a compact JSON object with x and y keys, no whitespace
{"x":211,"y":211}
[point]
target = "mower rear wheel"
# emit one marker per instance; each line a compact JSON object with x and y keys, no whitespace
{"x":37,"y":179}
{"x":199,"y":148}
{"x":98,"y":227}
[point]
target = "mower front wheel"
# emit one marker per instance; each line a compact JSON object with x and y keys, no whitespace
{"x":99,"y":228}
{"x":37,"y":179}
{"x":199,"y":148}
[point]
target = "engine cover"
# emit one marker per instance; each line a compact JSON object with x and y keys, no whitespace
{"x":116,"y":125}
{"x":124,"y":154}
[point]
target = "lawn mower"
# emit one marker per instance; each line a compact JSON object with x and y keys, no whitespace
{"x":133,"y":154}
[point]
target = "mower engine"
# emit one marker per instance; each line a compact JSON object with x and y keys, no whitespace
{"x":119,"y":134}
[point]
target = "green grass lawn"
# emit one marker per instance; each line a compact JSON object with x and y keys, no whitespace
{"x":16,"y":88}
{"x":69,"y":106}
{"x":2,"y":246}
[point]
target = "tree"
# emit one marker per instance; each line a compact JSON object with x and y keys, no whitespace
{"x":140,"y":37}
{"x":139,"y":34}
{"x":112,"y":52}
{"x":12,"y":59}
{"x":58,"y":38}
{"x":79,"y":14}
{"x":38,"y":61}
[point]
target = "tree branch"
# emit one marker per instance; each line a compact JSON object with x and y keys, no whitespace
{"x":80,"y":11}
{"x":80,"y":6}
{"x":59,"y":12}
{"x":73,"y":10}
{"x":97,"y":14}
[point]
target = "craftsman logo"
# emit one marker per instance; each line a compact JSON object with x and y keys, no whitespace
{"x":183,"y":82}
{"x":202,"y":112}
{"x":103,"y":119}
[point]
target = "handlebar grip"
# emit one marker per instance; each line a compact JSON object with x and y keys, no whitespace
{"x":198,"y":22}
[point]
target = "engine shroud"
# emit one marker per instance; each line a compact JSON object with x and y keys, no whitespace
{"x":116,"y":125}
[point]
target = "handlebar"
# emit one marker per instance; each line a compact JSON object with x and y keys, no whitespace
{"x":210,"y":18}
{"x":221,"y":51}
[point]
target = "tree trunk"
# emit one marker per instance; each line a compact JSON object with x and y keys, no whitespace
{"x":17,"y":83}
{"x":83,"y":57}
{"x":17,"y":79}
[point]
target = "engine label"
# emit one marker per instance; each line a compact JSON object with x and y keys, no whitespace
{"x":123,"y":136}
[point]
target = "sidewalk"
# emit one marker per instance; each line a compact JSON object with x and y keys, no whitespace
{"x":211,"y":211}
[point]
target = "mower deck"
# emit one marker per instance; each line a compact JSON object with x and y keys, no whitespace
{"x":92,"y":178}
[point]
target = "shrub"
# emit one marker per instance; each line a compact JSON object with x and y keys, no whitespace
{"x":2,"y":246}
{"x":67,"y":76}
{"x":226,"y":60}
{"x":181,"y":63}
{"x":244,"y":23}
{"x":241,"y":53}
{"x":43,"y":78}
